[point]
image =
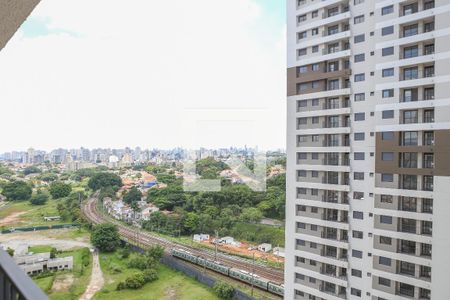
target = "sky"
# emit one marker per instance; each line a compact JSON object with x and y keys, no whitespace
{"x":154,"y":74}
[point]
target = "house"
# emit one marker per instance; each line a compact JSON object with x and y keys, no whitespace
{"x":265,"y":247}
{"x":228,"y":240}
{"x":201,"y":237}
{"x":52,"y":218}
{"x":278,"y":251}
{"x":33,"y":264}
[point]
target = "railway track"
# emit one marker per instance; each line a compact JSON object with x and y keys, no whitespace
{"x":90,"y":210}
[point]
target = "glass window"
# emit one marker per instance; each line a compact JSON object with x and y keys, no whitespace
{"x":359,"y":57}
{"x":386,"y":199}
{"x":359,"y":155}
{"x":301,"y":18}
{"x":428,"y":116}
{"x":359,"y":136}
{"x":314,"y":14}
{"x":410,"y":30}
{"x":410,"y":117}
{"x":410,"y":138}
{"x":388,"y":93}
{"x":385,"y":240}
{"x":412,"y":51}
{"x":358,"y":175}
{"x":409,"y":182}
{"x":360,"y":116}
{"x":359,"y":19}
{"x":387,"y":136}
{"x":384,"y":281}
{"x":356,"y":273}
{"x":427,"y":205}
{"x":387,"y":156}
{"x":301,"y":35}
{"x":359,"y":38}
{"x":360,"y":77}
{"x":410,"y":9}
{"x":360,"y":97}
{"x":410,"y":73}
{"x":387,"y":177}
{"x":386,"y":261}
{"x":387,"y":10}
{"x":387,"y":51}
{"x":387,"y":30}
{"x":357,"y":253}
{"x":409,"y":160}
{"x":387,"y":114}
{"x":388,"y":72}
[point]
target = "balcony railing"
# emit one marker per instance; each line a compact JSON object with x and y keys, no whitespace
{"x":15,"y":284}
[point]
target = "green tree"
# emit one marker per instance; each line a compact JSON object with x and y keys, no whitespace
{"x":40,"y":198}
{"x":103,"y":180}
{"x":155,"y":252}
{"x":17,"y":190}
{"x":133,"y":195}
{"x":251,"y":215}
{"x":31,"y":170}
{"x":10,"y":251}
{"x":59,"y":189}
{"x":105,"y":237}
{"x":190,"y":222}
{"x":224,"y":290}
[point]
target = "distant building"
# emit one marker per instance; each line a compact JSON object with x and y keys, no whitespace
{"x":265,"y":247}
{"x":278,"y":251}
{"x":201,"y":237}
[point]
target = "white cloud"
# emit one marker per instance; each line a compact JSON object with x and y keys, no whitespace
{"x":133,"y":69}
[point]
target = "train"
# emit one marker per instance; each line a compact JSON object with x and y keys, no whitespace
{"x":238,"y":274}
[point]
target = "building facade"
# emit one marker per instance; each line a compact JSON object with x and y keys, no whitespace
{"x":368,"y":186}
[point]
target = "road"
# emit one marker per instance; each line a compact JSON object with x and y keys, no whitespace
{"x":145,"y":239}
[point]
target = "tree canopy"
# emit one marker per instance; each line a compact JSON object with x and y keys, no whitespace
{"x":17,"y":190}
{"x":59,"y":189}
{"x":105,"y":237}
{"x":133,"y":195}
{"x":104,"y":180}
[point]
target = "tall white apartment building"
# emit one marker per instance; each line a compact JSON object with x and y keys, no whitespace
{"x":368,"y":186}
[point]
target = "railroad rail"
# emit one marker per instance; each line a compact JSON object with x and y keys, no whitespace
{"x":90,"y":210}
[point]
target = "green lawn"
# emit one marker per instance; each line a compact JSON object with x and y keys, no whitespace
{"x":40,"y":248}
{"x":81,"y":277}
{"x":30,"y":215}
{"x":170,"y":285}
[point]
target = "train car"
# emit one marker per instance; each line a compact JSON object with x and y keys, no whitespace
{"x":186,"y":255}
{"x":247,"y":277}
{"x":276,"y":288}
{"x":217,"y":267}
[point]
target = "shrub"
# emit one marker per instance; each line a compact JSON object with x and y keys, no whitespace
{"x":150,"y":275}
{"x":223,"y":290}
{"x":135,"y":281}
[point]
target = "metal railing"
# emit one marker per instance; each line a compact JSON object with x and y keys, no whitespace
{"x":14,"y":283}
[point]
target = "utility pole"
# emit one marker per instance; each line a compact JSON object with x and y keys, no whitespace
{"x":253,"y":270}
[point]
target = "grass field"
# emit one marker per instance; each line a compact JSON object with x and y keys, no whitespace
{"x":170,"y":285}
{"x":71,"y":283}
{"x":23,"y":214}
{"x":40,"y":248}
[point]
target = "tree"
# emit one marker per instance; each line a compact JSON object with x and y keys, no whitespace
{"x":103,"y":180}
{"x":17,"y":190}
{"x":31,"y":170}
{"x":223,"y":290}
{"x":40,"y":198}
{"x":133,"y":195}
{"x":156,"y":252}
{"x":190,"y":222}
{"x":105,"y":237}
{"x":59,"y":189}
{"x":251,"y":215}
{"x":10,"y":251}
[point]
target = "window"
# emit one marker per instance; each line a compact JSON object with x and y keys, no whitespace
{"x":409,"y":95}
{"x":314,"y":14}
{"x":387,"y":156}
{"x":358,"y":175}
{"x":428,"y":49}
{"x":388,"y":72}
{"x":407,"y":268}
{"x":428,"y":116}
{"x":386,"y":261}
{"x":359,"y":57}
{"x":301,"y":225}
{"x":315,"y":84}
{"x":360,"y":77}
{"x":409,"y":182}
{"x":302,"y":103}
{"x":315,"y":49}
{"x":358,"y":195}
{"x":388,"y":93}
{"x":333,"y":29}
{"x":387,"y":10}
{"x":409,"y":52}
{"x":360,"y":116}
{"x":386,"y":199}
{"x":410,"y":9}
{"x":302,"y":87}
{"x":315,"y":67}
{"x":315,"y":120}
{"x":301,"y":52}
{"x":301,"y":18}
{"x":410,"y":117}
{"x":357,"y":253}
{"x":410,"y":73}
{"x":315,"y":138}
{"x":410,"y":138}
{"x":355,"y":292}
{"x":385,"y":219}
{"x":359,"y":38}
{"x":302,"y":121}
{"x":357,"y":234}
{"x":314,"y":210}
{"x":314,"y":155}
{"x":333,"y":84}
{"x":387,"y":177}
{"x":314,"y":227}
{"x":301,"y":35}
{"x":427,"y":183}
{"x":427,"y":27}
{"x":358,"y":215}
{"x":314,"y":192}
{"x":406,"y":289}
{"x":387,"y":30}
{"x":315,"y":31}
{"x":387,"y":114}
{"x":356,"y":2}
{"x":428,"y":4}
{"x":427,"y":205}
{"x":387,"y":51}
{"x":384,"y":240}
{"x":360,"y":97}
{"x":409,"y":160}
{"x":301,"y":173}
{"x":302,"y":155}
{"x":299,"y":276}
{"x":302,"y":69}
{"x":359,"y":155}
{"x":356,"y":273}
{"x":302,"y":138}
{"x":384,"y":281}
{"x":387,"y":136}
{"x":359,"y":19}
{"x":410,"y":30}
{"x":300,"y":242}
{"x":359,"y":136}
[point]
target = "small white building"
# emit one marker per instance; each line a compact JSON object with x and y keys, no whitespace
{"x":265,"y":247}
{"x":278,"y":251}
{"x":33,"y":264}
{"x":201,"y":237}
{"x":228,"y":240}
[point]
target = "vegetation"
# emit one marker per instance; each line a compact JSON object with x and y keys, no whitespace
{"x":17,"y":190}
{"x":105,"y":237}
{"x":60,"y":189}
{"x":31,"y":170}
{"x":104,"y":180}
{"x":69,"y":208}
{"x":40,"y":198}
{"x":223,"y":290}
{"x":133,"y":195}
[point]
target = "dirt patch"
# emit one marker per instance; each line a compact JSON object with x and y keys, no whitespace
{"x":62,"y":283}
{"x":13,"y":218}
{"x":170,"y":294}
{"x":97,"y":280}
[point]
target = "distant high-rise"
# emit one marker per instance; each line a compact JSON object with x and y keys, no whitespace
{"x":368,"y":186}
